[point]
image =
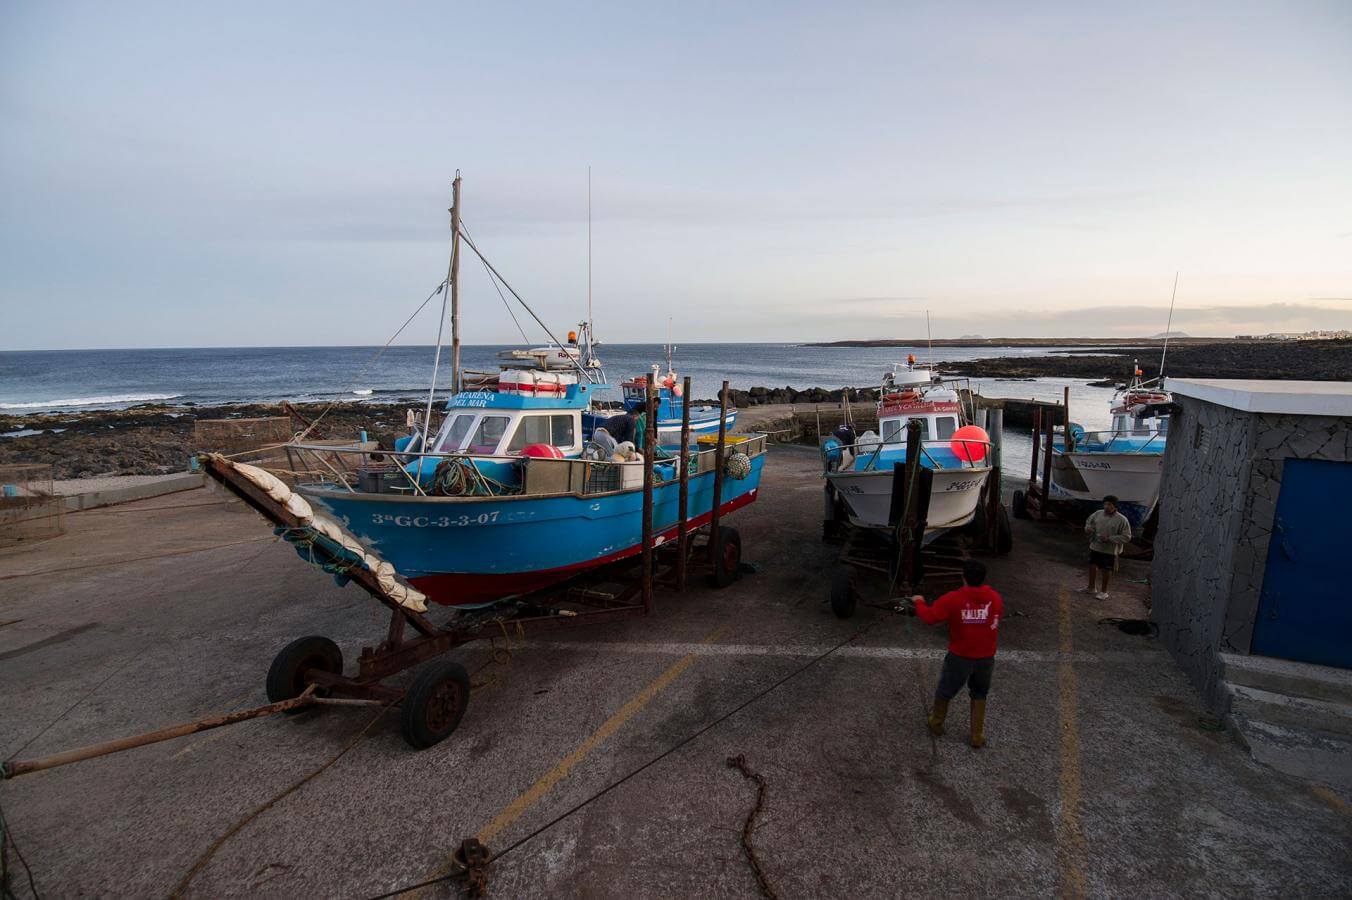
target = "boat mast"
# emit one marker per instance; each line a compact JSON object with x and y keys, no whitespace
{"x":454,"y":278}
{"x":590,"y":329}
{"x":1169,"y":325}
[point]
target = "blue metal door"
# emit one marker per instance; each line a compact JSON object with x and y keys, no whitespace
{"x":1305,"y":610}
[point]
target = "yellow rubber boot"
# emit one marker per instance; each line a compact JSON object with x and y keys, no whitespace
{"x":978,"y":723}
{"x":936,"y":718}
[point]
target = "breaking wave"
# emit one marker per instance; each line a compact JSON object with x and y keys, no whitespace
{"x":364,"y":392}
{"x":90,"y":401}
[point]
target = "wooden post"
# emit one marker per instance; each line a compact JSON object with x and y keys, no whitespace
{"x":649,"y":450}
{"x":906,"y":528}
{"x":1049,"y":426}
{"x":718,"y":467}
{"x":455,"y":286}
{"x":683,"y":529}
{"x":1037,"y":443}
{"x":1070,"y":441}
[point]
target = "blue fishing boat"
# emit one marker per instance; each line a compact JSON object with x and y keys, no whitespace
{"x":509,"y":492}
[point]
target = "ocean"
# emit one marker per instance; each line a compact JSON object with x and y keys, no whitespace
{"x":54,"y":380}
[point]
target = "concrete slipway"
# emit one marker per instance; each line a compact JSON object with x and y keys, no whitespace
{"x":1099,"y":778}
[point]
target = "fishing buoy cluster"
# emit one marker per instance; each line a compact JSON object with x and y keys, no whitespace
{"x":323,"y":527}
{"x":737,"y":466}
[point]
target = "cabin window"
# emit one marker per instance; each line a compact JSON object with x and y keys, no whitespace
{"x":562,"y":430}
{"x":945,"y":426}
{"x":557,"y":431}
{"x":891,"y":431}
{"x":489,"y":434}
{"x":453,"y":432}
{"x":530,"y":430}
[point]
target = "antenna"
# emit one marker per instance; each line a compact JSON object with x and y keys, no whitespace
{"x":1170,"y":325}
{"x":670,"y":348}
{"x":930,"y":337}
{"x":589,"y":253}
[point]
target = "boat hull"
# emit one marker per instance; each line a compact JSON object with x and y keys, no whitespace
{"x":467,"y":551}
{"x":1131,"y":477}
{"x":954,"y":496}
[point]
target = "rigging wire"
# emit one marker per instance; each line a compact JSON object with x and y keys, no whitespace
{"x":538,"y":321}
{"x":501,"y":295}
{"x":1169,"y":325}
{"x":362,"y":374}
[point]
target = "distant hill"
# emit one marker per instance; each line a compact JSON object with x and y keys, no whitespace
{"x":1171,"y":335}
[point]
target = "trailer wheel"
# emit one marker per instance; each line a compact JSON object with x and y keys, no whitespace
{"x":286,"y":675}
{"x":1020,"y":504}
{"x":727,"y":556}
{"x":842,"y":593}
{"x":434,"y":704}
{"x":1004,"y":533}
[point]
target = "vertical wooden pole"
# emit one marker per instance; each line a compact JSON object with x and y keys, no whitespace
{"x":683,"y":530}
{"x":1049,"y":426}
{"x":718,"y":466}
{"x":1037,"y":444}
{"x":455,"y":286}
{"x":1070,"y":441}
{"x":649,"y":450}
{"x":906,"y":546}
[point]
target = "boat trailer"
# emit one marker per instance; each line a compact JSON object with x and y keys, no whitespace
{"x":909,"y":555}
{"x":309,"y":671}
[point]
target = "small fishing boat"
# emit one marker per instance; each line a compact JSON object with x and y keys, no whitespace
{"x":1125,"y":461}
{"x":507,"y":494}
{"x":860,"y":471}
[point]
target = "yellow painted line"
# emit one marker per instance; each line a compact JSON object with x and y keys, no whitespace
{"x":546,"y":782}
{"x":1071,"y":847}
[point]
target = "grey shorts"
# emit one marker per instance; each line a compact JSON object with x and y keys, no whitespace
{"x":959,"y":671}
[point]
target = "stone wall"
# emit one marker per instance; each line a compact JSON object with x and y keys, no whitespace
{"x":1222,"y":477}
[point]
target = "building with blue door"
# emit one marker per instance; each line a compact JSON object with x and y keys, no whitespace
{"x":1251,"y":583}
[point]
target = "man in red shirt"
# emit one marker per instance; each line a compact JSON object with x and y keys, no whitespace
{"x":973,"y":614}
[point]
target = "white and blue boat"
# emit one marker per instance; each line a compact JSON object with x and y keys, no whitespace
{"x":859,"y":472}
{"x":1126,"y":460}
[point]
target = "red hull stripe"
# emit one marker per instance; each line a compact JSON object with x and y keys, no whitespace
{"x":467,"y":589}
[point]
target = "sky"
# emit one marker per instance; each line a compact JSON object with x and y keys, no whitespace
{"x":253,"y":174}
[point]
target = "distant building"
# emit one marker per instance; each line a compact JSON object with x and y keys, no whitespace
{"x":1340,"y":335}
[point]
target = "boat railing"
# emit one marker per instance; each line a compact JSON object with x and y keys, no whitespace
{"x":360,"y":469}
{"x":1122,"y":441}
{"x":976,"y":451}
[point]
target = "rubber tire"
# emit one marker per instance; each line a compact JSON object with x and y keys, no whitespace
{"x":727,"y":557}
{"x":286,"y":675}
{"x":843,"y":600}
{"x":1004,"y":533}
{"x":1020,"y":505}
{"x":977,"y":527}
{"x":422,"y":718}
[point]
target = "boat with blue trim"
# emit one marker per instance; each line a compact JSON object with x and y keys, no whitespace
{"x":1125,"y":461}
{"x":859,"y":469}
{"x":509,"y":492}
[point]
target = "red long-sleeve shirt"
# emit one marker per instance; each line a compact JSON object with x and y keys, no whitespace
{"x":973,"y":616}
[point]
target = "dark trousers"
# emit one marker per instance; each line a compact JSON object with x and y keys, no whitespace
{"x":960,"y":670}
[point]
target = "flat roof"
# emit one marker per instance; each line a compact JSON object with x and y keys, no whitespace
{"x":1302,"y":398}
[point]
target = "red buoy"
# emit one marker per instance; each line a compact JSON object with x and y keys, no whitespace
{"x":969,"y":443}
{"x":542,"y":451}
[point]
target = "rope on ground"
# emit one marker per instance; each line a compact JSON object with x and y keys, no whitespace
{"x":647,"y":765}
{"x":259,"y":810}
{"x":738,"y":762}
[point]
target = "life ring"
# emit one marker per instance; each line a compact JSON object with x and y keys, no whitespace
{"x":902,"y":397}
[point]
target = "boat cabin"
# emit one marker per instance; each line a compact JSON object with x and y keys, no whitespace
{"x":937,"y":410}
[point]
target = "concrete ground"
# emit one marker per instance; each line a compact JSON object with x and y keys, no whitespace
{"x":1099,"y":779}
